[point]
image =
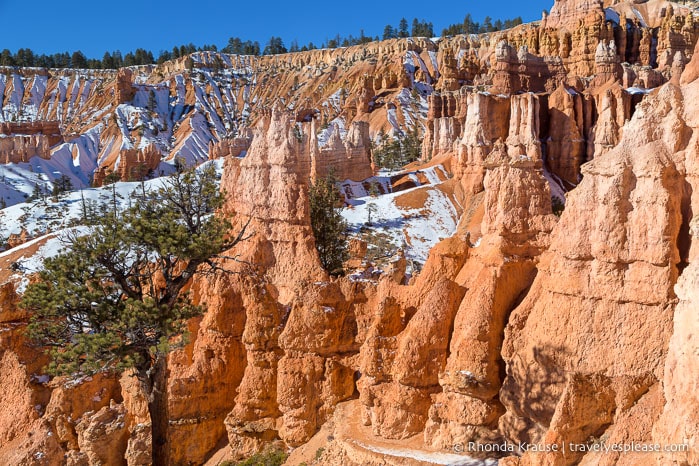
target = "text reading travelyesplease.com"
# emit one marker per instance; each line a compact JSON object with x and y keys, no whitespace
{"x":595,"y":447}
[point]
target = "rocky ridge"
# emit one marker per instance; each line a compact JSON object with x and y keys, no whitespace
{"x":523,"y":326}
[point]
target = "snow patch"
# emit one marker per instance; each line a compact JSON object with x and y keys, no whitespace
{"x":415,"y":230}
{"x":426,"y":456}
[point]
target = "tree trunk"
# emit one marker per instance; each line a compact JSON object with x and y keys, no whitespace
{"x":157,"y":408}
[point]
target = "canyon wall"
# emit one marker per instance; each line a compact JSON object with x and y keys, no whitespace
{"x":181,"y":107}
{"x":562,"y":309}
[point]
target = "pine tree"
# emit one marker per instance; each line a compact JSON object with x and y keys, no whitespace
{"x":415,"y":29}
{"x":403,"y":28}
{"x":78,"y":60}
{"x":396,"y":153}
{"x":61,"y":185}
{"x":329,"y":227}
{"x":389,"y":32}
{"x":115,"y":300}
{"x":468,"y":24}
{"x":152,"y":103}
{"x":487,"y":25}
{"x":411,"y":146}
{"x":275,"y":46}
{"x":37,"y":193}
{"x":6,"y":58}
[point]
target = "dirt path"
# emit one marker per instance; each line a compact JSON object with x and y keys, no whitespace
{"x":344,"y":440}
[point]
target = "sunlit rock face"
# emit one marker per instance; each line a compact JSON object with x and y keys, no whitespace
{"x":558,"y":307}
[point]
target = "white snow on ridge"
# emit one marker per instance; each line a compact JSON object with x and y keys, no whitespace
{"x":46,"y":216}
{"x":640,"y":17}
{"x":31,"y":264}
{"x":76,"y":159}
{"x":638,"y":90}
{"x":336,"y":125}
{"x":37,"y":91}
{"x":194,"y":148}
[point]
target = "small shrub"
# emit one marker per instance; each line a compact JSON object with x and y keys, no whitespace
{"x":557,"y":206}
{"x":270,"y":457}
{"x":319,"y":452}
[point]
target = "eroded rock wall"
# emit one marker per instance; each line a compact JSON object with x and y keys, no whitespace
{"x":523,"y":326}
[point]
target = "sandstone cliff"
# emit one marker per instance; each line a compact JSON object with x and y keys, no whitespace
{"x":561,"y":310}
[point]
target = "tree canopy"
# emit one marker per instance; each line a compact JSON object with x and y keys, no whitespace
{"x":329,"y":227}
{"x":115,"y":298}
{"x":236,"y":45}
{"x":394,"y":153}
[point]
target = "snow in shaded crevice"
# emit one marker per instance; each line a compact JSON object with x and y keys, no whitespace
{"x":556,"y":185}
{"x":611,"y":15}
{"x":638,"y":90}
{"x":76,"y":159}
{"x":194,"y":148}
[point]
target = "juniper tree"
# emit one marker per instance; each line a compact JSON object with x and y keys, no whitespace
{"x":116,"y":300}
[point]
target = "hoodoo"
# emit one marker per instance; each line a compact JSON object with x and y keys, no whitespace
{"x":515,"y":210}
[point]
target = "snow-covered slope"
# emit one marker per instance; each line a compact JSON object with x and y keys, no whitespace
{"x":51,"y":215}
{"x":412,"y":220}
{"x":112,"y":118}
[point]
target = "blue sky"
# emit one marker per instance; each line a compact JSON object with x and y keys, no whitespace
{"x":48,"y":26}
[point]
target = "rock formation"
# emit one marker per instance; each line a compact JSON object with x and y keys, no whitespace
{"x":601,"y":283}
{"x":348,"y":159}
{"x":562,"y":310}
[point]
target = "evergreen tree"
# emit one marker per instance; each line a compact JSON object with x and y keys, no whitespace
{"x":329,"y":227}
{"x":118,"y":59}
{"x":468,"y":24}
{"x":403,"y":28}
{"x":115,"y":300}
{"x":415,"y":29}
{"x":24,"y":57}
{"x":363,"y":39}
{"x":61,"y":185}
{"x":389,"y":32}
{"x":6,"y":58}
{"x":37,"y":193}
{"x":275,"y":46}
{"x":78,"y":60}
{"x":164,"y":56}
{"x":251,"y":48}
{"x":411,"y":146}
{"x":152,"y":103}
{"x":107,"y":61}
{"x":234,"y":46}
{"x":487,"y":24}
{"x":398,"y":152}
{"x":129,"y":59}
